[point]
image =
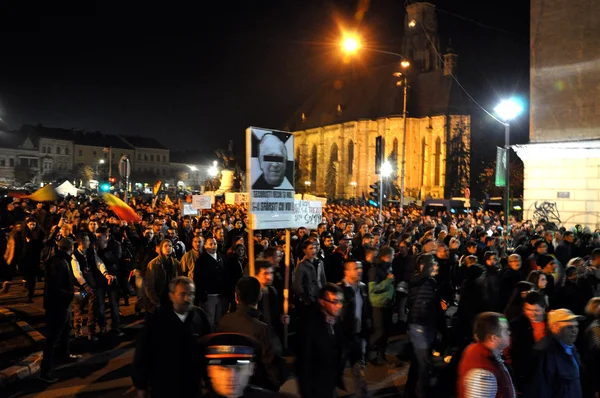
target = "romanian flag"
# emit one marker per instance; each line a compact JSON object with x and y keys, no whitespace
{"x":121,"y":208}
{"x":156,"y":187}
{"x":45,"y":194}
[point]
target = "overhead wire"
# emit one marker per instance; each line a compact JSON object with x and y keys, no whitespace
{"x":452,"y":74}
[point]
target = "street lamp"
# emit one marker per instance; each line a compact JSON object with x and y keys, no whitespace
{"x":507,"y":110}
{"x":351,"y":44}
{"x":404,"y":82}
{"x":213,"y":170}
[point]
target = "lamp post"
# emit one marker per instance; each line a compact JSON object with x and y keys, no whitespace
{"x":403,"y":82}
{"x":507,"y":110}
{"x":350,"y":45}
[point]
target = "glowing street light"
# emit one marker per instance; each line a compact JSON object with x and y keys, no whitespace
{"x":213,"y":170}
{"x":351,"y":44}
{"x":101,"y":161}
{"x":193,"y":168}
{"x":386,"y":169}
{"x":507,"y":110}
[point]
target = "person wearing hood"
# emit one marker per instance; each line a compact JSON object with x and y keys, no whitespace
{"x":426,"y":307}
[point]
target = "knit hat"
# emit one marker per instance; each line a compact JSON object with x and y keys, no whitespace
{"x":543,"y":260}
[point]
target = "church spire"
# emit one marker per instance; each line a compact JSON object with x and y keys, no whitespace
{"x":421,"y":39}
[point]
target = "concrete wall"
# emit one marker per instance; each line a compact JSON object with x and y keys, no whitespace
{"x":565,"y":70}
{"x":566,"y":175}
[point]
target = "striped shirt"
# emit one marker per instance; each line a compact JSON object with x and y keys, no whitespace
{"x":481,"y":383}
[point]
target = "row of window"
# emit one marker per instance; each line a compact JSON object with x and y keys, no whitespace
{"x":25,"y":162}
{"x":145,"y":157}
{"x":149,"y":170}
{"x":48,"y":149}
{"x":394,"y":155}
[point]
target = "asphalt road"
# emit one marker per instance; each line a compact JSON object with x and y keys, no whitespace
{"x":105,"y":369}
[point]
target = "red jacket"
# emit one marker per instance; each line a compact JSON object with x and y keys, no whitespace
{"x":477,"y":356}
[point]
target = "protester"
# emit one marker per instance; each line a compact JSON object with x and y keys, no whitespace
{"x":168,"y":355}
{"x":481,"y":372}
{"x":58,"y":295}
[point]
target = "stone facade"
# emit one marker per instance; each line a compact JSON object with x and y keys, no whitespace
{"x":350,"y":148}
{"x":565,"y":70}
{"x":562,"y":163}
{"x":56,"y":155}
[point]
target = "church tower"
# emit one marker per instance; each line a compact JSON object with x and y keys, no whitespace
{"x":421,"y":41}
{"x":450,"y":61}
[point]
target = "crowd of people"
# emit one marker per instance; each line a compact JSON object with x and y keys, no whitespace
{"x":487,"y":312}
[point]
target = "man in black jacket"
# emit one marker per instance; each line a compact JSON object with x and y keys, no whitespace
{"x":58,"y":294}
{"x":269,"y":372}
{"x":210,"y":277}
{"x":269,"y":305}
{"x":168,"y":357}
{"x":321,"y":344}
{"x":355,"y":320}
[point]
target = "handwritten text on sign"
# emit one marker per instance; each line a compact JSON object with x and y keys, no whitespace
{"x":307,"y":213}
{"x":201,"y":202}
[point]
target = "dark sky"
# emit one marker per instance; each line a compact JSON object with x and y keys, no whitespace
{"x":196,"y":74}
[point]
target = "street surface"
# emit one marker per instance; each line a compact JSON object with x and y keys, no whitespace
{"x":105,"y":369}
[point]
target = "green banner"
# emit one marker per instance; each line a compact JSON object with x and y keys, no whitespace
{"x":500,"y":167}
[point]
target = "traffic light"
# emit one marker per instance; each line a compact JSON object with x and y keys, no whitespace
{"x":378,"y":154}
{"x":105,"y":187}
{"x":112,"y":180}
{"x":374,"y":195}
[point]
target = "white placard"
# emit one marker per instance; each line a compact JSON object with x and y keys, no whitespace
{"x":270,"y":176}
{"x":188,"y":210}
{"x":201,"y":202}
{"x":307,"y":213}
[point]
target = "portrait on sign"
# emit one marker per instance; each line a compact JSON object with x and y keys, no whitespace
{"x":272,"y":160}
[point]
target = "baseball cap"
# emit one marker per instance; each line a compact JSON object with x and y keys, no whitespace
{"x":562,"y":315}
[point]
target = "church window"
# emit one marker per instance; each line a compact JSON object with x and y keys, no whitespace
{"x":80,"y":153}
{"x":438,"y":155}
{"x":350,"y":157}
{"x":49,"y":150}
{"x":313,"y":168}
{"x":43,"y":149}
{"x":58,"y":150}
{"x":423,"y":159}
{"x":11,"y":162}
{"x":66,"y":150}
{"x":395,"y":154}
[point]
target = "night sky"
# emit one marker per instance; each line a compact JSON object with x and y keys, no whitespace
{"x":196,"y":74}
